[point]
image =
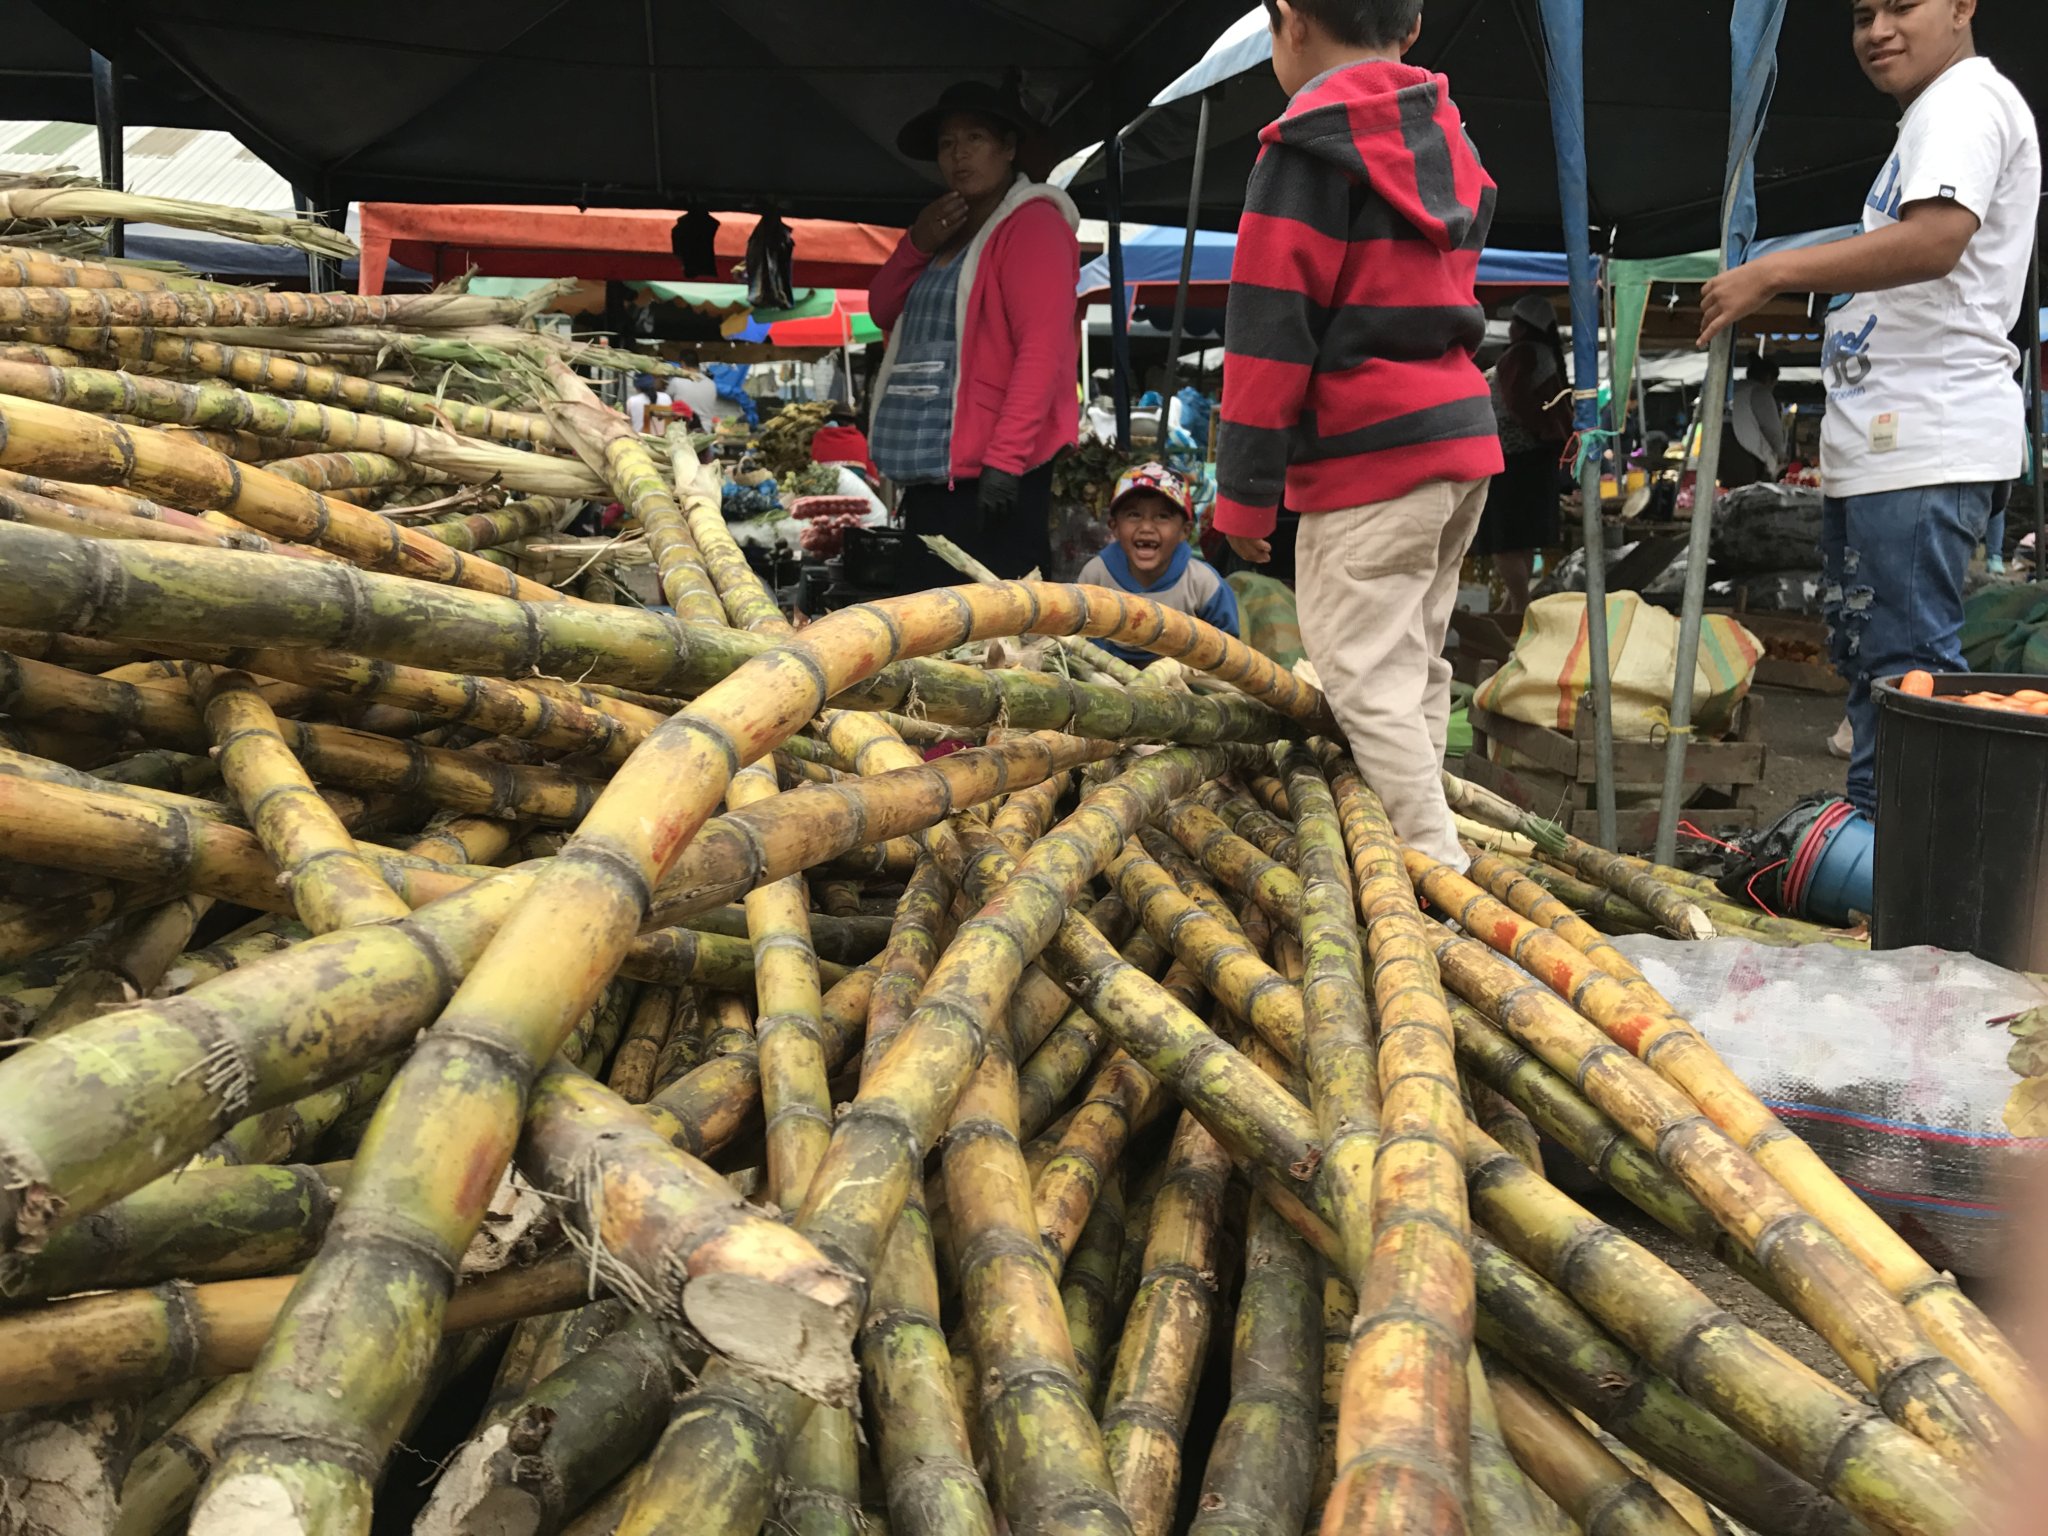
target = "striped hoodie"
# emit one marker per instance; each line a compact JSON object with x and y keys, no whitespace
{"x":1348,"y":375}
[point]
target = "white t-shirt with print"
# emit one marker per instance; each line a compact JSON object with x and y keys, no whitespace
{"x":1920,"y":379}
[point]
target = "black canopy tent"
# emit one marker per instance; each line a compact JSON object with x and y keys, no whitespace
{"x":1656,"y":121}
{"x":625,"y":102}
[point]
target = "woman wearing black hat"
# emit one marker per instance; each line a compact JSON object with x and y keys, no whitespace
{"x":977,"y":390}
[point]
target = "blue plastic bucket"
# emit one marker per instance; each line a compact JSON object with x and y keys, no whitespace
{"x":1834,"y":868}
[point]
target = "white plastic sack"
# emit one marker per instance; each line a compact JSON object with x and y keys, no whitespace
{"x":1891,"y":1064}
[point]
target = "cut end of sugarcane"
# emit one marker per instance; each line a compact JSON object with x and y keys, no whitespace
{"x":247,"y":1504}
{"x":473,"y":1495}
{"x":59,"y":1474}
{"x":1696,"y":924}
{"x":803,"y":1343}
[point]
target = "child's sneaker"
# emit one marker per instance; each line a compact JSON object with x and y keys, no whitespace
{"x":1843,"y":743}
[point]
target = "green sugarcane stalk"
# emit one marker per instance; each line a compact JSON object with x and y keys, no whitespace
{"x":1262,"y":1463}
{"x":1528,"y":1321}
{"x":1876,"y":1469}
{"x":1404,"y":1431}
{"x":160,"y":593}
{"x":1158,"y":1365}
{"x":1337,"y":1050}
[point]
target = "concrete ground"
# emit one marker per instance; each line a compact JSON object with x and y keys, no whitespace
{"x":1796,"y":727}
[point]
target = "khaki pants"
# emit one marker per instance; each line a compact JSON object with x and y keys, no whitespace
{"x":1376,"y":586}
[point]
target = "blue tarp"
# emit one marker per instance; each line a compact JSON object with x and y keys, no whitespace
{"x":1152,"y":255}
{"x":219,"y":256}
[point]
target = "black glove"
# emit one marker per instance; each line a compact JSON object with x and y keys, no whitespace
{"x":998,"y":492}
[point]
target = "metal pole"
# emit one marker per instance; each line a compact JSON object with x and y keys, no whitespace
{"x":1187,"y":248}
{"x":1119,"y":300}
{"x":2037,"y":428}
{"x":1601,"y":700}
{"x":1698,"y":549}
{"x":106,"y":115}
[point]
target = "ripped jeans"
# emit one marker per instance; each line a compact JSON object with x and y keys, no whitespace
{"x":1892,"y":592}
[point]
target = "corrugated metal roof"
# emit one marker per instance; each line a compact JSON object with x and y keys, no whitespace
{"x":201,"y":164}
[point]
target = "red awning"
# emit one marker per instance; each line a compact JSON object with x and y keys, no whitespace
{"x":507,"y":240}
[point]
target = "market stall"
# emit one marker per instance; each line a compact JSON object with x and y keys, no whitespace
{"x":446,"y":240}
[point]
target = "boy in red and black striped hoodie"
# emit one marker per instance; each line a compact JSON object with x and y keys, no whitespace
{"x":1349,"y":383}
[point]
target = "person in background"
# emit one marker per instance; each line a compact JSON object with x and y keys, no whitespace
{"x":1151,"y":558}
{"x":696,"y":391}
{"x":1532,"y":409}
{"x":976,"y":390}
{"x":1753,"y":446}
{"x":1923,"y":418}
{"x":645,"y":393}
{"x":1367,"y":197}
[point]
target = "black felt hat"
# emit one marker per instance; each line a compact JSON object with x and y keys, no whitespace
{"x":920,"y":136}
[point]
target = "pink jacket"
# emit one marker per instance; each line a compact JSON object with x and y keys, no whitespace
{"x":1015,"y":396}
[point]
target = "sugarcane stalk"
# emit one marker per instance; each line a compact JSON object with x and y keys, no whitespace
{"x":1557,"y":1105}
{"x":162,"y":593}
{"x":131,"y":1341}
{"x":1502,"y":1119}
{"x":1045,"y":1446}
{"x":1888,"y":1351}
{"x":1601,"y":1494}
{"x":632,"y":1073}
{"x":1502,"y":1500}
{"x":504,"y":1020}
{"x":569,"y":1436}
{"x":1337,"y":1053}
{"x":170,"y":467}
{"x":128,"y":965}
{"x":604,"y":440}
{"x":303,"y":375}
{"x":1680,"y":917}
{"x":1501,"y":880}
{"x":197,"y":965}
{"x":330,"y":884}
{"x":1402,"y":1437}
{"x":1121,"y":1101}
{"x":1158,"y":1364}
{"x":1261,"y":1466}
{"x":1847,"y":1449}
{"x":1234,"y":861}
{"x":1525,"y":1319}
{"x":259,"y":422}
{"x":234,"y":306}
{"x":211,"y":1224}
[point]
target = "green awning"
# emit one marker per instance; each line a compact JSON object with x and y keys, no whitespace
{"x":1632,"y":281}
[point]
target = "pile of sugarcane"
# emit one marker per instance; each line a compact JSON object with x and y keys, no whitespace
{"x":443,"y":1012}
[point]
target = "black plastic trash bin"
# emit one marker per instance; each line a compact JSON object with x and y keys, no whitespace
{"x":1962,"y":823}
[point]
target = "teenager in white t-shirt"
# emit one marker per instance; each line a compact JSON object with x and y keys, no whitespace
{"x":1924,"y":418}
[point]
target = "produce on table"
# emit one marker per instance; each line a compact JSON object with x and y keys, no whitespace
{"x":368,"y":924}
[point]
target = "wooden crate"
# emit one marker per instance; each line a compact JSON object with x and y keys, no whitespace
{"x":1558,"y":777}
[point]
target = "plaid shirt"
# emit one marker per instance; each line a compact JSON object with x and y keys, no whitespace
{"x":913,"y":426}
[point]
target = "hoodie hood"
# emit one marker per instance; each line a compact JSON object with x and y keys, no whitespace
{"x":1394,"y":127}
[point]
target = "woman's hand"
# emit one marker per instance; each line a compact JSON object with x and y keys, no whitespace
{"x":1257,"y":551}
{"x":940,"y":222}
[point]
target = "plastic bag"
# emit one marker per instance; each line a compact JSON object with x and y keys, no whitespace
{"x":771,"y":258}
{"x":1548,"y":672}
{"x":1890,"y":1064}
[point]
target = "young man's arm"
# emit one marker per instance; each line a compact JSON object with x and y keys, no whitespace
{"x":1291,"y":243}
{"x":1925,"y":244}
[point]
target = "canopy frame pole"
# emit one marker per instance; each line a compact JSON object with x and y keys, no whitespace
{"x":1187,"y":247}
{"x":1564,"y":65}
{"x":1749,"y":100}
{"x":106,"y":117}
{"x":2037,"y":426}
{"x":1120,"y":300}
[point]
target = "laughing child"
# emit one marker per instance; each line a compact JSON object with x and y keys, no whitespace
{"x":1148,"y":517}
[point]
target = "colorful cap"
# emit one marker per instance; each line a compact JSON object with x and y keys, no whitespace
{"x":1154,"y":477}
